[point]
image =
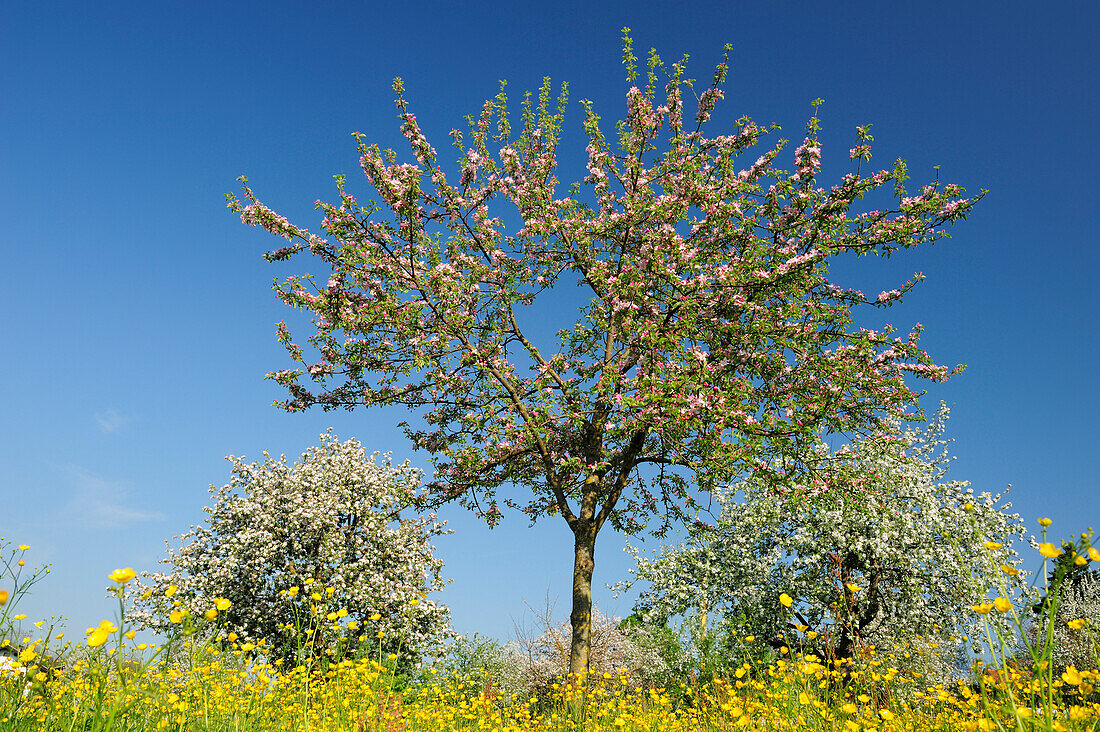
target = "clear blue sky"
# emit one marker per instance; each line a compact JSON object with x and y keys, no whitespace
{"x":138,"y":317}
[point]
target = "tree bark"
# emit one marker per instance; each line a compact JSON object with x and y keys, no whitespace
{"x":584,"y":548}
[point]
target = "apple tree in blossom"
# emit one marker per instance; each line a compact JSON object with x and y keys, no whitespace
{"x":277,"y":538}
{"x":899,"y":556}
{"x":711,"y":341}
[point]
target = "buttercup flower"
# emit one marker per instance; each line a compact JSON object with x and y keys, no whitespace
{"x":785,"y":599}
{"x":1049,"y":550}
{"x":4,"y":597}
{"x":97,"y":637}
{"x":222,"y":604}
{"x":1002,"y":604}
{"x":122,"y":576}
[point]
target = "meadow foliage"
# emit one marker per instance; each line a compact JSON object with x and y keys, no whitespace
{"x":205,"y":677}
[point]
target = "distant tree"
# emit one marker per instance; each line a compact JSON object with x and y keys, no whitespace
{"x":278,"y":533}
{"x":899,"y":556}
{"x":712,"y":343}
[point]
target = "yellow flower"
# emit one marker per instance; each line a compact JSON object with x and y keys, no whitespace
{"x":292,"y":591}
{"x":97,"y":637}
{"x":886,"y":714}
{"x":3,"y":597}
{"x":23,"y":547}
{"x":849,"y":708}
{"x":27,"y":655}
{"x":376,"y":616}
{"x":1076,"y":624}
{"x":1072,"y":676}
{"x":785,"y":599}
{"x":170,"y":591}
{"x":1079,"y":560}
{"x":968,"y":507}
{"x":232,"y":637}
{"x":853,"y":587}
{"x":1094,"y":554}
{"x":414,"y":601}
{"x":1002,"y":604}
{"x":750,"y":638}
{"x":993,"y":545}
{"x":1009,"y":570}
{"x":122,"y":576}
{"x":130,"y":634}
{"x":1049,"y":550}
{"x":1045,"y":522}
{"x":812,"y":634}
{"x":982,"y":608}
{"x":222,"y":604}
{"x":211,"y":613}
{"x":176,"y":616}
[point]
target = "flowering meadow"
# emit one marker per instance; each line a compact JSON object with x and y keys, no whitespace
{"x":203,"y":676}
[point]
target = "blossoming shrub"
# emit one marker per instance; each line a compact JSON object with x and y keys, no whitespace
{"x":296,"y":548}
{"x":896,"y":560}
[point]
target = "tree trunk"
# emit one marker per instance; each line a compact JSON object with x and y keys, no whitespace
{"x":584,"y":548}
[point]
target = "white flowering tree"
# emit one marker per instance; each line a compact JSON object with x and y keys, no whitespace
{"x":313,"y":545}
{"x":902,"y":554}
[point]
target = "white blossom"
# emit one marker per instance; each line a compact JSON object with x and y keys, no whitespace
{"x":333,"y":517}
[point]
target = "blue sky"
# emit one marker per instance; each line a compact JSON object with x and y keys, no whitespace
{"x":139,"y":319}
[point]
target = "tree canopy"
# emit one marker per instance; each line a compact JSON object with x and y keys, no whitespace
{"x":712,"y":342}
